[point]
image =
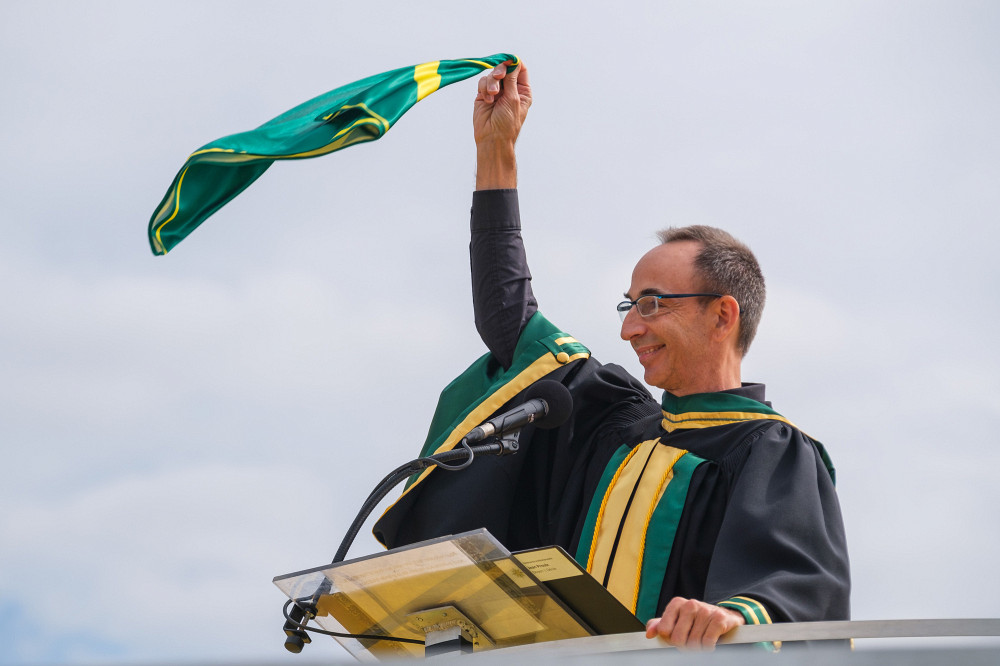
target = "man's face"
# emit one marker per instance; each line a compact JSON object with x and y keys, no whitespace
{"x":672,"y":345}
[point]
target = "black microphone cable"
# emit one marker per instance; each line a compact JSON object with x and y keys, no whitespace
{"x":294,"y":620}
{"x":391,"y":480}
{"x":556,"y":404}
{"x":297,"y":620}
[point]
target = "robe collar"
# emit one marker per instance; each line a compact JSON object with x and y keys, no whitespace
{"x":706,"y":410}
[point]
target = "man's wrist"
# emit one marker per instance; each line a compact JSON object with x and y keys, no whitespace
{"x":496,"y":167}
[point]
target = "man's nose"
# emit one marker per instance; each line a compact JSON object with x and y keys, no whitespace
{"x":633,"y":325}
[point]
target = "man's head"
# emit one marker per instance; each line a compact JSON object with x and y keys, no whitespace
{"x":695,"y":344}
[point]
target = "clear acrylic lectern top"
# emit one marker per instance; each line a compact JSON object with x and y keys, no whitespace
{"x":469,"y":580}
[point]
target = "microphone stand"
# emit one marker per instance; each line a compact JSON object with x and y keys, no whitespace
{"x":304,"y":611}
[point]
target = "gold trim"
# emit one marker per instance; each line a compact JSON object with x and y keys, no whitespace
{"x":759,"y":605}
{"x":667,"y":476}
{"x":486,"y":65}
{"x":753,"y":615}
{"x":359,"y":105}
{"x":645,"y":482}
{"x":613,"y":507}
{"x":538,"y":369}
{"x":691,"y":420}
{"x":427,"y":78}
{"x":338,"y":141}
{"x":632,"y":484}
{"x":341,"y":139}
{"x":177,"y":208}
{"x":596,"y":542}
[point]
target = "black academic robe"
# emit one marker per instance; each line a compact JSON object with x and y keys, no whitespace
{"x":714,"y":497}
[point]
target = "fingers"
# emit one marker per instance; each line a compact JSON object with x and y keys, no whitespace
{"x":687,"y":613}
{"x":518,"y":79}
{"x":500,"y":109}
{"x":489,"y":85}
{"x":522,"y":74}
{"x":664,"y":626}
{"x":693,"y":625}
{"x":707,"y":628}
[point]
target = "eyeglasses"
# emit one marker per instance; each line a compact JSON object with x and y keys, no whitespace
{"x":649,"y":305}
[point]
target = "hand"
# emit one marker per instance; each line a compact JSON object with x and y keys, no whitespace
{"x":497,"y":117}
{"x":693,"y":625}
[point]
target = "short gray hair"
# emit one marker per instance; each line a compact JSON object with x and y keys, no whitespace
{"x":726,"y":266}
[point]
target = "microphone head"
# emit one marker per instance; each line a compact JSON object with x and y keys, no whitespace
{"x":556,"y":397}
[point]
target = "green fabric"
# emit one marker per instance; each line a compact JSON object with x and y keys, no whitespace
{"x":485,"y":377}
{"x":728,"y":402}
{"x":827,"y":460}
{"x":660,"y":536}
{"x":361,"y":111}
{"x":713,"y":402}
{"x":750,"y":611}
{"x":590,"y":524}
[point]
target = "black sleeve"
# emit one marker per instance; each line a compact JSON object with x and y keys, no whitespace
{"x":501,"y":282}
{"x":782,"y":540}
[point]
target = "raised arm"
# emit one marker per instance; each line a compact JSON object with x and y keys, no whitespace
{"x":501,"y":282}
{"x":502,"y":103}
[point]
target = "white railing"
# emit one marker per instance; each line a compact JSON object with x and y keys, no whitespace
{"x":788,"y":631}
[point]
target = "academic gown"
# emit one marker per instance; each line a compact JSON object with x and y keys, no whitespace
{"x":713,"y":496}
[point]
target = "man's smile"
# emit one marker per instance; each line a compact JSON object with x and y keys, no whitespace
{"x":645,"y":351}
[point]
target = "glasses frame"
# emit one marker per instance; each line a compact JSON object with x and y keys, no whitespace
{"x":626,"y":306}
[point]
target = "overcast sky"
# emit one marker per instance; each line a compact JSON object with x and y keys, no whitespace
{"x":178,"y":430}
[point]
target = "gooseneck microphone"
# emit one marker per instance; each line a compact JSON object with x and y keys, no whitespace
{"x":548,"y":404}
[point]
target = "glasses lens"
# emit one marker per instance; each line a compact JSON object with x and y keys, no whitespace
{"x":623,"y":309}
{"x":647,"y":305}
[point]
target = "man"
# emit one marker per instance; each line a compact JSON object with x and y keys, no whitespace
{"x":701,"y":513}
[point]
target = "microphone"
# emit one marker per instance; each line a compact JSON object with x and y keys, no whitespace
{"x":547,"y":404}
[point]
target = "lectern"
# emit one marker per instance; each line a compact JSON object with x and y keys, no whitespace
{"x":466,"y":586}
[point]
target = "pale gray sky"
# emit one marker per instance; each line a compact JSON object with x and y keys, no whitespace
{"x":178,"y":430}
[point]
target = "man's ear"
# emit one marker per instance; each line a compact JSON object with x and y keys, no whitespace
{"x":727,"y":323}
